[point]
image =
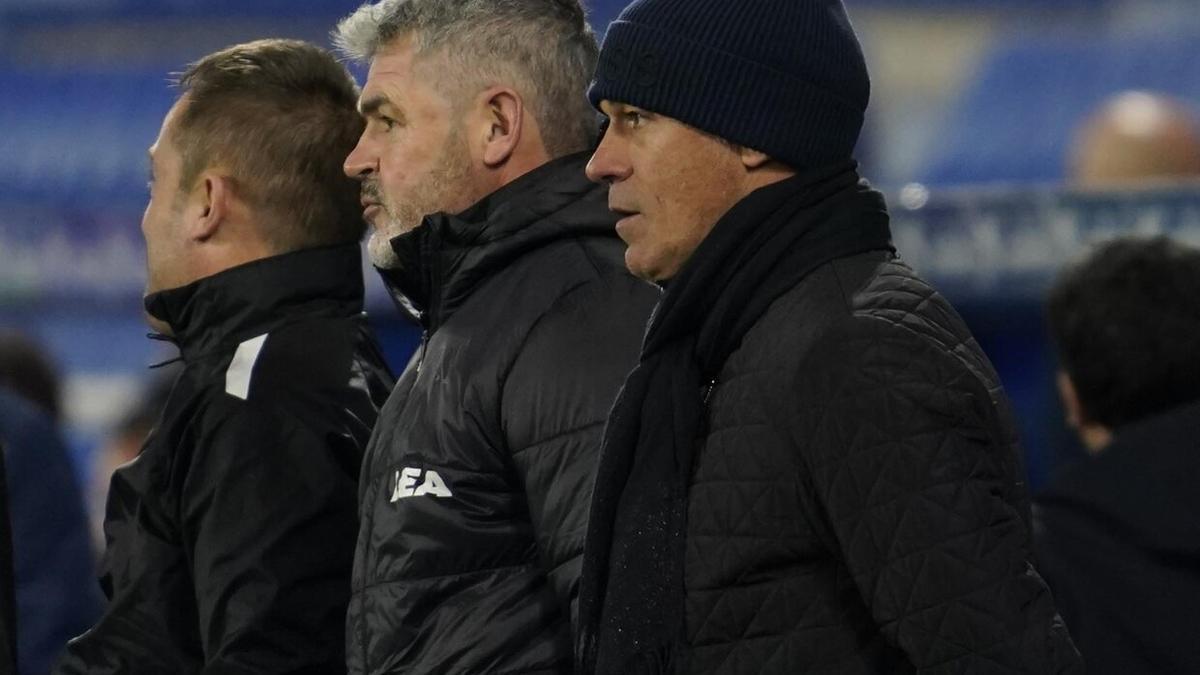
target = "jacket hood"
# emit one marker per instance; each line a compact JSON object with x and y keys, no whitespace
{"x":447,"y":257}
{"x":242,"y":302}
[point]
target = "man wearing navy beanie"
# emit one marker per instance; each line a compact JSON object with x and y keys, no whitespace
{"x":813,"y":467}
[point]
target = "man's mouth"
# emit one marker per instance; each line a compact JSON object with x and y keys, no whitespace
{"x":624,"y":218}
{"x":369,"y":195}
{"x":369,"y":199}
{"x":623,"y":213}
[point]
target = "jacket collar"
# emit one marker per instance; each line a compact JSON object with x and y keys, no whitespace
{"x":762,"y":247}
{"x":215,"y":313}
{"x":447,"y":257}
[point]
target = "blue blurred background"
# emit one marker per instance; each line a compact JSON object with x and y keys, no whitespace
{"x":974,"y":106}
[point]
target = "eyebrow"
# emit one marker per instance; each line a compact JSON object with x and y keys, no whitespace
{"x":372,"y":105}
{"x":616,"y":108}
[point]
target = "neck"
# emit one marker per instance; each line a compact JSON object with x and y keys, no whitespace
{"x":768,"y":174}
{"x":523,"y":160}
{"x":218,"y":255}
{"x":157,"y":325}
{"x":236,"y":302}
{"x":1095,"y":438}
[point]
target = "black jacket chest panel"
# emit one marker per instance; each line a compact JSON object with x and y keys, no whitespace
{"x":446,"y":417}
{"x":240,"y":510}
{"x":476,"y":484}
{"x":853,"y":442}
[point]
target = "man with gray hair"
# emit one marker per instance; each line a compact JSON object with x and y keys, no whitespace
{"x":475,"y":490}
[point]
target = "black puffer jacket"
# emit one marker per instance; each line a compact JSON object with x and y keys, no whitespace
{"x":858,"y":503}
{"x":231,"y":536}
{"x":476,"y":485}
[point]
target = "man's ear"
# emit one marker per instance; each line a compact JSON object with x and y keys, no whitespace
{"x":210,"y":207}
{"x":504,"y":116}
{"x":753,"y":159}
{"x":1070,"y":401}
{"x":1095,"y":436}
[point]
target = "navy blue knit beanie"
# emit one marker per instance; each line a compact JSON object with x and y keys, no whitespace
{"x":784,"y":77}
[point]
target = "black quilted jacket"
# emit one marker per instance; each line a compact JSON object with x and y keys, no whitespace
{"x":857,"y":504}
{"x":475,"y":489}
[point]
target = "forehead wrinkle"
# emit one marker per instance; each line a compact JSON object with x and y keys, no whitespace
{"x":388,"y":87}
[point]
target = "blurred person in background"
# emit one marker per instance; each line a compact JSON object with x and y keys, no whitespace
{"x":27,"y":371}
{"x":813,"y":467}
{"x":488,"y":233}
{"x":230,"y":537}
{"x":1117,"y":534}
{"x":125,"y":440}
{"x":8,"y":605}
{"x":53,"y":559}
{"x":1135,"y":139}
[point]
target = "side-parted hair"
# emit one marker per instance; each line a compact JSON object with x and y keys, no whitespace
{"x":280,"y":117}
{"x":542,"y":48}
{"x":1126,"y":323}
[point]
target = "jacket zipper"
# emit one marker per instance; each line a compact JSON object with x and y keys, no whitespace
{"x":421,"y":349}
{"x":708,"y":390}
{"x":429,"y":320}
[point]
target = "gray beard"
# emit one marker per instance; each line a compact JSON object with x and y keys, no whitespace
{"x":379,"y":249}
{"x":451,"y":176}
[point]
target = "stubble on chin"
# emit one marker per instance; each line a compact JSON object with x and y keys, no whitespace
{"x":441,"y":187}
{"x":386,"y":227}
{"x":379,"y":248}
{"x":391,"y":222}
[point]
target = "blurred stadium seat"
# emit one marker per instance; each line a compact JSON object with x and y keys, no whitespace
{"x":1014,"y":123}
{"x":78,"y":137}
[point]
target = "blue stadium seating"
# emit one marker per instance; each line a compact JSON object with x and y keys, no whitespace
{"x":73,"y":170}
{"x":1015,"y":122}
{"x":78,"y":138}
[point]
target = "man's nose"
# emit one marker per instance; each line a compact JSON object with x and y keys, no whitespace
{"x":361,"y":162}
{"x":608,"y":164}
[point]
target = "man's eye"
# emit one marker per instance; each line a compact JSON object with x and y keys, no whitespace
{"x":632,"y":118}
{"x":387,"y":123}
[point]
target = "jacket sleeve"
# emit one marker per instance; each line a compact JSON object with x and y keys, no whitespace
{"x":555,"y":403}
{"x":269,"y":516}
{"x":920,"y":490}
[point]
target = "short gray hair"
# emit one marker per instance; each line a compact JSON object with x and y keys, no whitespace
{"x":542,"y":48}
